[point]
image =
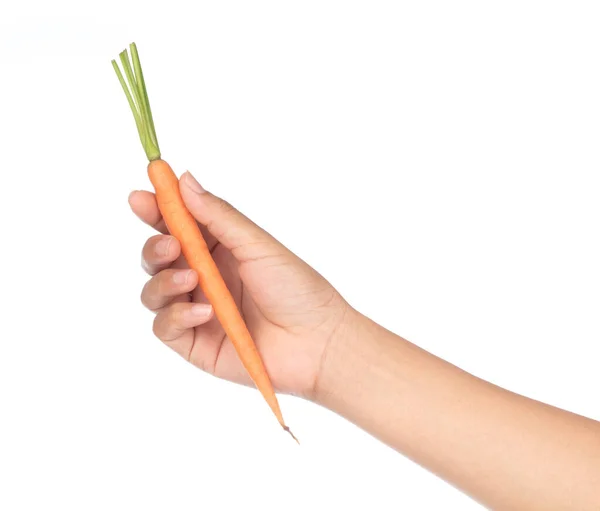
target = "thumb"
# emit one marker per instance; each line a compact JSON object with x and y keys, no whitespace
{"x":236,"y":232}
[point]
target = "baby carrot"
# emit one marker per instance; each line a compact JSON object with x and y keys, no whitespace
{"x":184,"y":228}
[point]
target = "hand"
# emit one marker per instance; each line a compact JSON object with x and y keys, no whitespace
{"x":291,"y":311}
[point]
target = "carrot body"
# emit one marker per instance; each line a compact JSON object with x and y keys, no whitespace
{"x":184,"y":227}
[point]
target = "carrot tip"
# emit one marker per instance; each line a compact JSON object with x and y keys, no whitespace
{"x":285,"y":428}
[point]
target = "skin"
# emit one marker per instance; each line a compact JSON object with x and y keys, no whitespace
{"x":291,"y":311}
{"x":504,"y":450}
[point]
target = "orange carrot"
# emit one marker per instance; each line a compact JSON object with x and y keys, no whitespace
{"x":184,"y":228}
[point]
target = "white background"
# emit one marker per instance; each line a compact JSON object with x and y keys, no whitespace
{"x":437,"y":161}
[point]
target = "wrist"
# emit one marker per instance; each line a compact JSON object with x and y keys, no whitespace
{"x":341,"y":356}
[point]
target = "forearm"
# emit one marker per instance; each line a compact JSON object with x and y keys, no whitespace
{"x":505,"y":450}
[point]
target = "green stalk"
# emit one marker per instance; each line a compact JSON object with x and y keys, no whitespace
{"x":128,"y":95}
{"x":137,"y":97}
{"x":139,"y":76}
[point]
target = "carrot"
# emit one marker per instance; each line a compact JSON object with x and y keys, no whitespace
{"x":185,"y":229}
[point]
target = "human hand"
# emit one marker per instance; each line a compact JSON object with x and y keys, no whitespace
{"x":292,"y":312}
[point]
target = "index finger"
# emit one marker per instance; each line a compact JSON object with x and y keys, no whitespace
{"x":144,"y":205}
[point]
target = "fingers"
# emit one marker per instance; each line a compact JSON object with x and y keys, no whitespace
{"x":159,"y":252}
{"x":172,"y":321}
{"x":165,"y":286}
{"x":143,"y":204}
{"x":245,"y":239}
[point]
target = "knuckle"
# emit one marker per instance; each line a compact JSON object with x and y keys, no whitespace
{"x":153,"y":261}
{"x":161,"y":285}
{"x":176,"y":314}
{"x":160,"y":327}
{"x":157,"y":328}
{"x":144,"y":295}
{"x":226,"y":209}
{"x":150,"y":244}
{"x":167,"y":322}
{"x":147,"y":266}
{"x":152,"y":292}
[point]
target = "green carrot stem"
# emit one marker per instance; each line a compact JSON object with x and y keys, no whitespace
{"x":139,"y":76}
{"x":128,"y":95}
{"x":137,"y":97}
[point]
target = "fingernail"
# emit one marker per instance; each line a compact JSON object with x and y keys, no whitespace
{"x":193,"y":184}
{"x":162,"y":247}
{"x":181,"y":277}
{"x":201,"y":310}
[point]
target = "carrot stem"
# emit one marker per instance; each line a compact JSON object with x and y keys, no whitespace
{"x":143,"y":93}
{"x":137,"y":97}
{"x":128,"y":95}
